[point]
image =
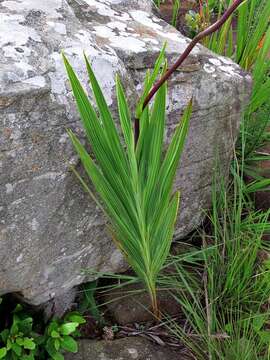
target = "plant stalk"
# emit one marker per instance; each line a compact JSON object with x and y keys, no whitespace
{"x":154,"y":302}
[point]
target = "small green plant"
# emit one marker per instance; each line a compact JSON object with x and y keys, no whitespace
{"x":193,"y":21}
{"x":59,"y":336}
{"x":23,"y":340}
{"x":199,"y":21}
{"x":18,"y":341}
{"x":134,"y":185}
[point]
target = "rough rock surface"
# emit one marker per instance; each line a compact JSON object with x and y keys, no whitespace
{"x":49,"y":229}
{"x":125,"y":349}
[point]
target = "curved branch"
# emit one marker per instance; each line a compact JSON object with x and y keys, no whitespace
{"x":211,"y":29}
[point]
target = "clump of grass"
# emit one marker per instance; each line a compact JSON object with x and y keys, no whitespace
{"x":227,"y":317}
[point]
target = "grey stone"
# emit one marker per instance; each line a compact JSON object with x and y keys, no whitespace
{"x":49,"y":229}
{"x":59,"y":305}
{"x":125,"y":349}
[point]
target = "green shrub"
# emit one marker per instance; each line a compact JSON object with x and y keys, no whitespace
{"x":18,"y":341}
{"x":59,"y":336}
{"x":21,"y":341}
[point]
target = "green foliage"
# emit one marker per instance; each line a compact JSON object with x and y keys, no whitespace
{"x":198,"y":21}
{"x":59,"y":335}
{"x":193,"y":21}
{"x":250,"y":47}
{"x":252,"y":25}
{"x":227,"y":316}
{"x":18,"y":341}
{"x":21,"y":341}
{"x":134,"y":183}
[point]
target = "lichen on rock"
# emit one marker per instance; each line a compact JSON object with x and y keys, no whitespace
{"x":50,"y":230}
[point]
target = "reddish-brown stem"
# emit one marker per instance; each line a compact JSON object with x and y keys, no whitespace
{"x":136,"y":130}
{"x":211,"y":29}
